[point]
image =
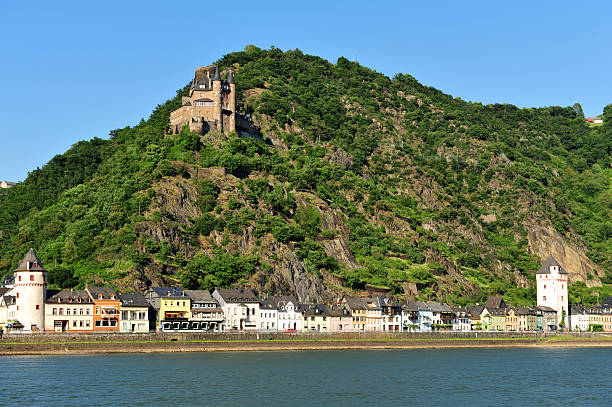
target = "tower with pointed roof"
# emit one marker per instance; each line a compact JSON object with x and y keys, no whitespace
{"x":552,"y":290}
{"x":30,"y":291}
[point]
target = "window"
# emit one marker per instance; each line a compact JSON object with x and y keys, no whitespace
{"x":81,"y":324}
{"x":544,"y":285}
{"x":17,"y":295}
{"x":54,"y":311}
{"x":31,"y":277}
{"x":81,"y":311}
{"x":87,"y":311}
{"x":544,"y":298}
{"x":87,"y":323}
{"x":98,"y":324}
{"x":67,"y":311}
{"x":37,"y":306}
{"x":74,"y":324}
{"x":61,"y":311}
{"x":74,"y":311}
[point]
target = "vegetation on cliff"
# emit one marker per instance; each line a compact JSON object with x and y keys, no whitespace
{"x":370,"y":182}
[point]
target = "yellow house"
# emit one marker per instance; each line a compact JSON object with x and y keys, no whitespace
{"x":512,"y":320}
{"x":172,"y":305}
{"x":316,"y":318}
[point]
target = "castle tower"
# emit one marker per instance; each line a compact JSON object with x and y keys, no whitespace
{"x":232,"y":100}
{"x":552,"y":288}
{"x":30,"y":291}
{"x":216,"y":81}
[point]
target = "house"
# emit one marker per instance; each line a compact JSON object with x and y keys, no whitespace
{"x":594,"y":120}
{"x":425,"y":320}
{"x":240,"y":308}
{"x":549,"y":316}
{"x":461,"y":321}
{"x":512,"y":320}
{"x":410,"y":317}
{"x":316,"y":318}
{"x":358,"y":309}
{"x":552,"y":290}
{"x":69,"y":311}
{"x":373,"y":315}
{"x":493,"y":319}
{"x":7,"y":312}
{"x":133,"y":313}
{"x":172,"y":308}
{"x":391,"y":313}
{"x":539,"y":314}
{"x":579,"y":318}
{"x":341,"y":319}
{"x":268,"y":315}
{"x":442,"y":316}
{"x":288,"y":313}
{"x":206,"y":313}
{"x":475,"y":311}
{"x":526,"y":319}
{"x":606,"y":316}
{"x":7,"y":184}
{"x":595,"y":319}
{"x":106,"y":308}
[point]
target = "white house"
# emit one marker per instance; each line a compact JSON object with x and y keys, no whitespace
{"x":268,"y":315}
{"x":579,"y":319}
{"x":70,"y":311}
{"x":461,"y":322}
{"x":7,"y":184}
{"x":552,"y":288}
{"x":133,"y":313}
{"x":240,"y":308}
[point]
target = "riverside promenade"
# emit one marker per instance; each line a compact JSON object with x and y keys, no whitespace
{"x":54,"y":344}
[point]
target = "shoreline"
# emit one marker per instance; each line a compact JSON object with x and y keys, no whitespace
{"x":8,"y":348}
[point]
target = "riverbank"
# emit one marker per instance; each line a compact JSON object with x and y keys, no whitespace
{"x":153,"y":344}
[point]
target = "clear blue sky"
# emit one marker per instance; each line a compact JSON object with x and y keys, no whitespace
{"x":74,"y":70}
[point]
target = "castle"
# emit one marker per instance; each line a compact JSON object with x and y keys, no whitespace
{"x":211,"y":105}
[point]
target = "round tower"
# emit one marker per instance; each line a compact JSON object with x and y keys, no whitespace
{"x":216,"y":81}
{"x":232,"y":100}
{"x":30,"y":291}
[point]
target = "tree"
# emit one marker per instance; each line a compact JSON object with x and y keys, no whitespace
{"x":562,"y":323}
{"x":578,"y":109}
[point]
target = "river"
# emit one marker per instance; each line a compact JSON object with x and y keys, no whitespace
{"x":436,"y":377}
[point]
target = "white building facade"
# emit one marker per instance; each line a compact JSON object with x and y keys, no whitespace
{"x":240,"y":309}
{"x":30,"y":291}
{"x":552,"y":290}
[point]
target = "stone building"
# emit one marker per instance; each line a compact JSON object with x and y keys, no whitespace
{"x":211,"y":105}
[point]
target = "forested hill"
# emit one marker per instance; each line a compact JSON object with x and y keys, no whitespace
{"x":364,"y":183}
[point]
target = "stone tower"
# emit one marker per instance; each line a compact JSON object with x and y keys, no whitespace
{"x":552,"y":288}
{"x":232,"y":100}
{"x":30,"y":291}
{"x":216,"y":82}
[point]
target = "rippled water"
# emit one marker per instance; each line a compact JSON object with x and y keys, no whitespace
{"x":455,"y":377}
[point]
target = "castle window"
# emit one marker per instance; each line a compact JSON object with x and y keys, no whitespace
{"x":31,"y":278}
{"x":37,"y":306}
{"x":544,"y":298}
{"x":19,"y":278}
{"x":17,"y":295}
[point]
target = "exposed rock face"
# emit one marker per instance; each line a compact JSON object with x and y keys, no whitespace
{"x":544,"y":240}
{"x":341,"y":158}
{"x":307,"y":286}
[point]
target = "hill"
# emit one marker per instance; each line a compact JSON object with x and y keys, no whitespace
{"x":364,"y":182}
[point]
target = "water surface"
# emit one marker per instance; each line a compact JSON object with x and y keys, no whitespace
{"x":447,"y":377}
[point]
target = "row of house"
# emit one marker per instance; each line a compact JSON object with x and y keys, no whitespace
{"x":27,"y":306}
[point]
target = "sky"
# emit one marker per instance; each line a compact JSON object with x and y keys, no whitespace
{"x":74,"y":70}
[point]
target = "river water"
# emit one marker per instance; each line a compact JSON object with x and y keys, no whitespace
{"x":443,"y":377}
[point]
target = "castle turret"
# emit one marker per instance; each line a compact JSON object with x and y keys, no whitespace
{"x":216,"y":80}
{"x":232,"y":100}
{"x":30,"y":291}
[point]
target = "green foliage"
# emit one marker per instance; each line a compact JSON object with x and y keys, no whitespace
{"x":408,"y":169}
{"x":222,"y":270}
